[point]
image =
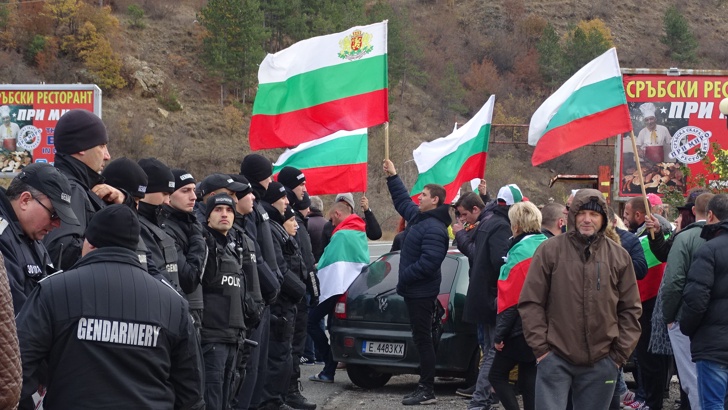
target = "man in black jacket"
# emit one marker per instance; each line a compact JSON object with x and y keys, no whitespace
{"x":186,"y":231}
{"x":705,"y":301}
{"x":295,"y":183}
{"x":373,"y":230}
{"x":257,"y":170}
{"x":491,"y":245}
{"x":423,"y":250}
{"x":136,"y":329}
{"x":223,"y":288}
{"x":80,"y":141}
{"x":161,"y":245}
{"x":35,"y":203}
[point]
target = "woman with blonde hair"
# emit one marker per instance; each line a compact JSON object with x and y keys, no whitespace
{"x":510,"y":344}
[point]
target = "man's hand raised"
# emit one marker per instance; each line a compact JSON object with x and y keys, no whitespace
{"x":389,"y":168}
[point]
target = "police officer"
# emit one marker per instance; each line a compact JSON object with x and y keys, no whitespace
{"x":283,"y":310}
{"x":223,"y":288}
{"x":295,"y":183}
{"x":160,"y":244}
{"x":186,"y":231}
{"x":111,"y":335}
{"x":258,"y":170}
{"x":128,"y":177}
{"x":214,"y":184}
{"x":33,"y":205}
{"x":80,"y":140}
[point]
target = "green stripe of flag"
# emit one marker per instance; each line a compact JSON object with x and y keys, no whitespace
{"x":650,"y":257}
{"x":347,"y":150}
{"x":346,"y":245}
{"x":589,"y":100}
{"x":306,"y":90}
{"x":447,"y":169}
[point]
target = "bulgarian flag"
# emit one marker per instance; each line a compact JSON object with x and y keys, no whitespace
{"x":513,"y":272}
{"x":650,"y":284}
{"x":333,"y":164}
{"x":450,"y":161}
{"x":589,"y":107}
{"x":321,"y":85}
{"x":343,"y":257}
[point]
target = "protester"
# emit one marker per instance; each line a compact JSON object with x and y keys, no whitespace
{"x":651,"y":367}
{"x":491,"y":246}
{"x":136,"y":329}
{"x":511,"y":347}
{"x":315,"y":226}
{"x":685,"y":246}
{"x":423,"y":249}
{"x":35,"y":203}
{"x":702,"y":314}
{"x":11,"y":376}
{"x":553,"y":219}
{"x":373,"y":230}
{"x":660,"y":246}
{"x":597,"y":283}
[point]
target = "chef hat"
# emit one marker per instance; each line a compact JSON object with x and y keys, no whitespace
{"x":648,"y":110}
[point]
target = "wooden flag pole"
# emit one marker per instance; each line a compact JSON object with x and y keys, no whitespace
{"x":386,"y":140}
{"x":642,"y":181}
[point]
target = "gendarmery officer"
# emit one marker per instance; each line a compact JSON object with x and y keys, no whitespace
{"x":112,"y":336}
{"x":33,"y":205}
{"x":223,"y":290}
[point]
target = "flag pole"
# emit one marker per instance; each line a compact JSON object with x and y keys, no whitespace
{"x":386,"y":140}
{"x":642,"y":180}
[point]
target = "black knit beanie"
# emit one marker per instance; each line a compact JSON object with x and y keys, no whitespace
{"x":114,"y":225}
{"x":124,"y":173}
{"x":182,"y":178}
{"x":256,"y":167}
{"x":79,"y":130}
{"x":219,"y":199}
{"x":291,"y":177}
{"x":160,"y":176}
{"x":275,"y":191}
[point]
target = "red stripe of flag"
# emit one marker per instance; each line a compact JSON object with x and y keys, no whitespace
{"x":296,"y":127}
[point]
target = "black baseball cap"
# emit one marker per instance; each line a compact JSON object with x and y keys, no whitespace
{"x":213,"y":182}
{"x":49,"y":181}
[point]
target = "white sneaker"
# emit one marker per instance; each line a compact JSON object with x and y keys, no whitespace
{"x":627,"y":399}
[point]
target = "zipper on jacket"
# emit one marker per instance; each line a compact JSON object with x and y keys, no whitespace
{"x":599,"y":278}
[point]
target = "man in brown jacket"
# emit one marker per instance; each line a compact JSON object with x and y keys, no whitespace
{"x":580,"y":308}
{"x":11,"y":375}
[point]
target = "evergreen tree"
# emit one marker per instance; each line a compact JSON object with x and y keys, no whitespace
{"x":678,"y":38}
{"x":582,"y":46}
{"x":550,"y":57}
{"x":233,"y":47}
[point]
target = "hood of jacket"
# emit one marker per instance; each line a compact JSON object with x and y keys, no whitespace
{"x":582,"y":197}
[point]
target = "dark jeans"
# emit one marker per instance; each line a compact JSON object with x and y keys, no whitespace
{"x":320,"y":340}
{"x":218,"y":359}
{"x":651,"y":367}
{"x":499,"y":372}
{"x":420,"y":312}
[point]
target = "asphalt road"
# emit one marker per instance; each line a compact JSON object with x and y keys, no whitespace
{"x":342,"y":394}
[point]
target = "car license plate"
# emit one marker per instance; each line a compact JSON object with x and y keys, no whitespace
{"x":383,"y":348}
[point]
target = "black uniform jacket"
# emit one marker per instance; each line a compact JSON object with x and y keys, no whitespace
{"x":112,"y":337}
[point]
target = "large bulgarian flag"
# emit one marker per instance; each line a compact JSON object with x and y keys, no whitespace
{"x":333,"y":164}
{"x":343,"y":258}
{"x":450,"y":161}
{"x":650,"y":284}
{"x":513,"y":272}
{"x":589,"y":107}
{"x":321,"y":85}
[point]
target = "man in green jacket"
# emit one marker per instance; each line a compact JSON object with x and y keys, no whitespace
{"x":684,"y":246}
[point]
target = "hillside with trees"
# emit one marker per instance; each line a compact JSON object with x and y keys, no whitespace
{"x":179,"y":76}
